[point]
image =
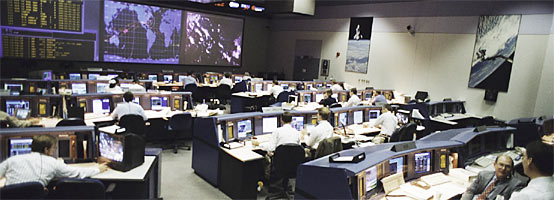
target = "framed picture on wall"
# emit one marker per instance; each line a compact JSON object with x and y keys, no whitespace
{"x":359,"y":37}
{"x":325,"y":67}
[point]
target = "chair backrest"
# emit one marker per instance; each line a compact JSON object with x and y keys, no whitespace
{"x":29,"y":190}
{"x":71,"y":122}
{"x":223,"y":92}
{"x":191,"y":87}
{"x":76,"y":112}
{"x":335,"y":105}
{"x":328,"y":146}
{"x":286,"y":159}
{"x":421,"y":95}
{"x":239,"y":87}
{"x":404,"y":133}
{"x":182,"y":123}
{"x":284,"y":96}
{"x":75,"y":188}
{"x":133,"y":124}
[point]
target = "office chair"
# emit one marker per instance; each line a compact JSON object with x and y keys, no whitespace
{"x":404,"y":133}
{"x":421,"y":95}
{"x":76,"y":112}
{"x":526,"y":131}
{"x":180,"y":126}
{"x":133,"y":124}
{"x":284,"y":96}
{"x":335,"y":105}
{"x":76,"y":188}
{"x":29,"y":190}
{"x":71,"y":122}
{"x":285,"y":160}
{"x":223,"y":93}
{"x":192,"y":88}
{"x":240,"y":87}
{"x":328,"y":146}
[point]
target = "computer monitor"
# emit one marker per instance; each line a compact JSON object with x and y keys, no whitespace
{"x":368,"y":96}
{"x":47,"y":75}
{"x":358,"y":116}
{"x":124,"y":152}
{"x":297,"y":123}
{"x":244,"y":127}
{"x":374,"y":114}
{"x":319,"y":85}
{"x":79,"y":88}
{"x":309,"y":86}
{"x":319,"y":97}
{"x":259,"y":87}
{"x":370,"y":179}
{"x":12,"y":105}
{"x":136,"y":100}
{"x":168,"y":78}
{"x":238,"y":79}
{"x":335,"y":96}
{"x":74,"y":76}
{"x":329,"y":85}
{"x":421,"y":95}
{"x":474,"y":146}
{"x":153,"y":77}
{"x":101,"y":87}
{"x":285,"y":86}
{"x":22,"y":113}
{"x":269,"y":124}
{"x":125,"y":86}
{"x":403,"y":118}
{"x":158,"y":103}
{"x":342,"y":119}
{"x":181,"y":78}
{"x":13,"y":87}
{"x":93,"y":76}
{"x":307,"y":98}
{"x":20,"y":146}
{"x":422,"y":162}
{"x":396,"y":165}
{"x":101,"y":106}
{"x":292,"y":98}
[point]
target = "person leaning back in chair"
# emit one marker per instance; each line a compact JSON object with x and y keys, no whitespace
{"x":322,"y":131}
{"x":328,"y":100}
{"x":41,"y":166}
{"x":386,"y":122}
{"x":497,"y":184}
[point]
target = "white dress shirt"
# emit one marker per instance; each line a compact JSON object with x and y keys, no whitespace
{"x":282,"y":135}
{"x":126,"y":108}
{"x":541,"y":188}
{"x":115,"y":89}
{"x":276,"y":90}
{"x":336,"y":87}
{"x":322,"y":131}
{"x":226,"y":81}
{"x":388,"y":123}
{"x":189,"y":80}
{"x":136,"y":88}
{"x":41,"y":168}
{"x":353,"y":101}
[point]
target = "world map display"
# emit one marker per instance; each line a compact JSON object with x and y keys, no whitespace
{"x":141,"y":33}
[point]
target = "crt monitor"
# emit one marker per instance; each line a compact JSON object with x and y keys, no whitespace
{"x":93,"y":76}
{"x":136,"y":100}
{"x":238,"y":79}
{"x":307,"y":98}
{"x":370,"y":179}
{"x":422,"y":162}
{"x":101,"y":87}
{"x":269,"y":124}
{"x":153,"y":77}
{"x":181,"y":78}
{"x":12,"y":105}
{"x":285,"y":86}
{"x":297,"y":123}
{"x":74,"y":76}
{"x":125,"y":86}
{"x":101,"y":106}
{"x":79,"y":88}
{"x":403,"y":118}
{"x":244,"y":127}
{"x":319,"y":85}
{"x":309,"y":86}
{"x":342,"y":119}
{"x":22,"y":113}
{"x":318,"y":97}
{"x":374,"y":114}
{"x":124,"y":152}
{"x":358,"y":116}
{"x":396,"y":165}
{"x":20,"y":146}
{"x":13,"y":87}
{"x":329,"y":85}
{"x":168,"y":78}
{"x":259,"y":87}
{"x":368,"y":96}
{"x":158,"y":103}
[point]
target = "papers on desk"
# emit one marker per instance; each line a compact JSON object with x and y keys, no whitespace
{"x":112,"y":129}
{"x":435,"y":179}
{"x":233,"y":145}
{"x":416,"y":192}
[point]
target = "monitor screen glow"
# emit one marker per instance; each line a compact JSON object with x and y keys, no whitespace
{"x":307,"y":98}
{"x":101,"y":106}
{"x":342,"y":119}
{"x":243,"y":128}
{"x":269,"y":124}
{"x":79,"y":88}
{"x":74,"y":76}
{"x":93,"y":76}
{"x":319,"y":97}
{"x":374,"y":114}
{"x":396,"y":165}
{"x":158,"y":103}
{"x":168,"y":78}
{"x":258,"y":87}
{"x":297,"y":123}
{"x":153,"y":77}
{"x":101,"y":87}
{"x":358,"y":117}
{"x":20,"y":146}
{"x":181,"y":78}
{"x":11,"y":105}
{"x":238,"y":79}
{"x":422,"y":162}
{"x":136,"y":100}
{"x":13,"y":87}
{"x":285,"y":86}
{"x":371,"y":178}
{"x":110,"y":147}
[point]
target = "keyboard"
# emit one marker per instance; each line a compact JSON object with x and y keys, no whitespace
{"x":484,"y":161}
{"x":515,"y":156}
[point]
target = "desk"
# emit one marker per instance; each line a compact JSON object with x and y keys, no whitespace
{"x":243,"y":99}
{"x":241,"y":168}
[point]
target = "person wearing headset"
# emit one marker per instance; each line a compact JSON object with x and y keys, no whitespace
{"x":41,"y":166}
{"x":128,"y":107}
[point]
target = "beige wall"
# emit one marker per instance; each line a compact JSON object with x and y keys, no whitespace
{"x":436,"y":60}
{"x":545,"y":97}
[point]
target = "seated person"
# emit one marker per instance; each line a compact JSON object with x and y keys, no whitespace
{"x":13,"y":122}
{"x":386,"y":122}
{"x":113,"y":87}
{"x":322,"y":131}
{"x":128,"y":107}
{"x":336,"y":86}
{"x":246,"y":76}
{"x":226,"y":80}
{"x":136,"y":87}
{"x":538,"y":164}
{"x":41,"y":166}
{"x":354,"y":99}
{"x":491,"y":184}
{"x":190,"y":79}
{"x":282,"y":135}
{"x":328,"y":99}
{"x":378,"y":97}
{"x":276,"y":89}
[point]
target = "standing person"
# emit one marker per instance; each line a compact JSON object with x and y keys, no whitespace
{"x":114,"y":86}
{"x":322,"y":131}
{"x":128,"y":107}
{"x":354,"y":100}
{"x":41,"y":166}
{"x":328,"y":100}
{"x":491,"y":185}
{"x":226,"y":80}
{"x":386,"y":122}
{"x":538,"y":164}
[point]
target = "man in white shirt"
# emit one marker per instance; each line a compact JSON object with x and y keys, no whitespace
{"x":322,"y":131}
{"x":190,"y":79}
{"x":336,"y":86}
{"x":538,"y":164}
{"x":113,"y":87}
{"x":128,"y":107}
{"x":354,"y":99}
{"x":276,"y":89}
{"x":136,"y":87}
{"x":40,"y":166}
{"x":386,"y":121}
{"x":378,"y":97}
{"x":226,"y":80}
{"x":282,"y":135}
